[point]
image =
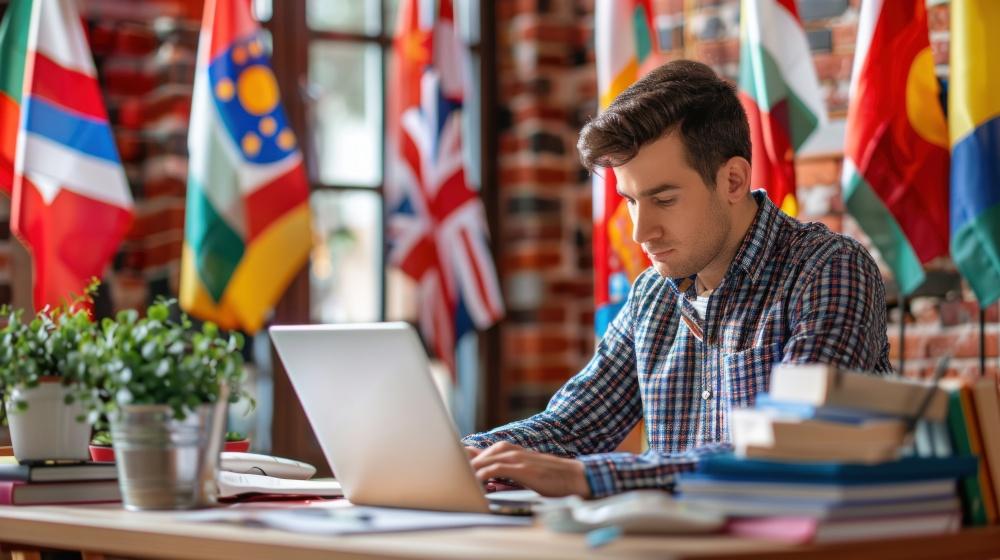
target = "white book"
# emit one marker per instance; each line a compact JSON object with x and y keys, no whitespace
{"x":826,"y":385}
{"x":235,"y":484}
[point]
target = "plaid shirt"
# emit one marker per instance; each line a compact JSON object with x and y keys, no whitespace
{"x":794,"y":293}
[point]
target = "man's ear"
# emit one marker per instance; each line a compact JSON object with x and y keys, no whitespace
{"x":734,"y":178}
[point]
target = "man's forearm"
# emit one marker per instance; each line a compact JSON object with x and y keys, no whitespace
{"x":611,"y":473}
{"x":534,"y":433}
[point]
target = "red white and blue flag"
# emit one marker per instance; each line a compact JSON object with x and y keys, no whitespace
{"x":436,"y":226}
{"x":71,"y":202}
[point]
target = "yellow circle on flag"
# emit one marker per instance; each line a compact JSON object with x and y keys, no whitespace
{"x":268,"y":126}
{"x":224,"y":89}
{"x":251,"y":144}
{"x":923,"y":109}
{"x":258,"y":90}
{"x":255,"y":48}
{"x":286,"y":140}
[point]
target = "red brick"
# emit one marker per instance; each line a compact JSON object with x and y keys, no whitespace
{"x":535,"y":344}
{"x":534,"y":258}
{"x":510,"y":144}
{"x":538,"y":374}
{"x":845,"y":36}
{"x":818,"y":171}
{"x":916,"y":343}
{"x":536,"y":175}
{"x":715,"y":53}
{"x":527,"y":6}
{"x":552,"y":314}
{"x":833,"y":66}
{"x":535,"y":232}
{"x":938,"y":18}
{"x":543,"y":32}
{"x":578,"y":288}
{"x":538,"y":111}
{"x":958,"y":312}
{"x":163,"y":220}
{"x":962,"y":342}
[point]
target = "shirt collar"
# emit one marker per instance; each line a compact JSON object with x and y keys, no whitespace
{"x":756,"y":246}
{"x":760,"y":238}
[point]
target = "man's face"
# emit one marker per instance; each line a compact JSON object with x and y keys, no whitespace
{"x":681,"y":222}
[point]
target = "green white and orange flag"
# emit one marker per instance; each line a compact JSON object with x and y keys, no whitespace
{"x":13,"y":53}
{"x":780,"y":93}
{"x":626,"y":49}
{"x":247,"y":228}
{"x":895,"y":175}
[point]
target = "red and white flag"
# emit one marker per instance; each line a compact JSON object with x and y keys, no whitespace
{"x":71,"y":201}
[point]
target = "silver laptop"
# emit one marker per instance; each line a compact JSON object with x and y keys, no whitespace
{"x":369,"y":396}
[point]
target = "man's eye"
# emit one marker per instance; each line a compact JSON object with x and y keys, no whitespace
{"x":629,"y":201}
{"x":664,"y":201}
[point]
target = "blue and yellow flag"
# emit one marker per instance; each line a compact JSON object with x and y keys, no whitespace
{"x":974,"y":127}
{"x":247,"y":230}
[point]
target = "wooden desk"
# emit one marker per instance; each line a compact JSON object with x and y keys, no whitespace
{"x":110,"y":530}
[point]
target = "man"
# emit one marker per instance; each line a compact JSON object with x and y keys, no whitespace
{"x":735,"y":287}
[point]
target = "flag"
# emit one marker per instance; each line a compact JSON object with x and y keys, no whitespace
{"x":626,"y":47}
{"x":247,"y":229}
{"x":974,"y":128}
{"x":71,"y":204}
{"x":13,"y":53}
{"x":780,"y":93}
{"x":895,"y":175}
{"x":437,"y":226}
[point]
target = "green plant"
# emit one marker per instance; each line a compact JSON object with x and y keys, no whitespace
{"x":47,"y":346}
{"x":102,"y":438}
{"x":159,"y":360}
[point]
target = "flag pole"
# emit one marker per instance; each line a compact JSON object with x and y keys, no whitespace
{"x":902,"y":334}
{"x":982,"y":342}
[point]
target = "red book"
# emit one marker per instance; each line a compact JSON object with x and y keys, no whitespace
{"x":803,"y":530}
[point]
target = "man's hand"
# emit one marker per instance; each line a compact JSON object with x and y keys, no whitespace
{"x":546,"y":474}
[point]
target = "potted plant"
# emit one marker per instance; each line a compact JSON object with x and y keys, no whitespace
{"x":166,"y":387}
{"x":45,"y":384}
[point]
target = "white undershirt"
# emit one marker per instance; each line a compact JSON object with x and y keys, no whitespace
{"x":700,"y":304}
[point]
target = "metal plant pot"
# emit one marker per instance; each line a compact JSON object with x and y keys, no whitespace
{"x":48,"y":429}
{"x":164,"y":463}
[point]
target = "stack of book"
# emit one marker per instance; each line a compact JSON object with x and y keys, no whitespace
{"x":72,"y":483}
{"x":831,"y":455}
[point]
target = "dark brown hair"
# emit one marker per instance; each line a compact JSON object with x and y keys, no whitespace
{"x":680,"y":95}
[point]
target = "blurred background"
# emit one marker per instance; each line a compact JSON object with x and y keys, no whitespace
{"x":529,"y":76}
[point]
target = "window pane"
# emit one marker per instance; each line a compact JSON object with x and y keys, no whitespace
{"x":346,"y":267}
{"x":347,"y":79}
{"x":391,"y":9}
{"x":347,"y":16}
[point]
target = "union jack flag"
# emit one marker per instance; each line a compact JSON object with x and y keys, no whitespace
{"x":436,"y":226}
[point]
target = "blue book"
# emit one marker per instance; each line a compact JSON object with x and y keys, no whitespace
{"x":727,"y":465}
{"x":815,"y":412}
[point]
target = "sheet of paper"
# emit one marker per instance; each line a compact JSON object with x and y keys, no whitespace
{"x":353,"y":520}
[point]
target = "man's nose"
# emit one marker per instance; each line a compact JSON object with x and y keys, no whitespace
{"x":643,"y":228}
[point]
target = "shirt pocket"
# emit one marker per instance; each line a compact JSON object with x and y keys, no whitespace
{"x":749,"y":372}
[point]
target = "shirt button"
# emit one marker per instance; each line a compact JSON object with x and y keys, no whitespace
{"x":706,"y":394}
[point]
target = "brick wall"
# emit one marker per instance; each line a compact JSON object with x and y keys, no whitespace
{"x":547,"y":88}
{"x":547,"y":85}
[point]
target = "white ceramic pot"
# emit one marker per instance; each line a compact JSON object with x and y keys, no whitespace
{"x":48,"y":429}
